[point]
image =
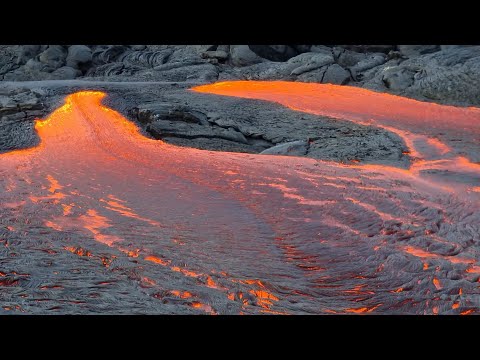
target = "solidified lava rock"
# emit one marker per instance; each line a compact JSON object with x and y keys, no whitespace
{"x":446,"y":74}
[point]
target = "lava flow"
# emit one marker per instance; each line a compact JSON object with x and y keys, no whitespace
{"x":99,"y":218}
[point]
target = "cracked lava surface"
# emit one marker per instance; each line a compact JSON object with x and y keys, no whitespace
{"x":100,"y":219}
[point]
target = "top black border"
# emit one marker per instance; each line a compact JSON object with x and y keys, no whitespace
{"x":239,"y":23}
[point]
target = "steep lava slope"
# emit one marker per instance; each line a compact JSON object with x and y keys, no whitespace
{"x":182,"y":230}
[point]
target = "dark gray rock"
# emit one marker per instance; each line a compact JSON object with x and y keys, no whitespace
{"x":162,"y":129}
{"x":78,"y":55}
{"x":335,"y":74}
{"x":27,"y":52}
{"x":365,"y":64}
{"x":8,"y":59}
{"x":370,"y":48}
{"x":275,"y":52}
{"x":146,"y":58}
{"x":417,"y":50}
{"x":451,"y":76}
{"x":65,"y":73}
{"x":398,"y":78}
{"x":294,"y":148}
{"x":18,"y":109}
{"x":309,"y":61}
{"x":138,"y":47}
{"x":202,"y":48}
{"x":54,"y":56}
{"x":242,"y":55}
{"x":217,"y":54}
{"x":107,"y":54}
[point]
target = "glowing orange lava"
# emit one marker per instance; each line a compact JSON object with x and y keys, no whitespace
{"x":295,"y":232}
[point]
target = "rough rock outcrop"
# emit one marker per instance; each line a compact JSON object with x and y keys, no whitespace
{"x":18,"y":108}
{"x":442,"y":73}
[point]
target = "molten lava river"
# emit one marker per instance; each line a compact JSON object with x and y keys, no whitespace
{"x":99,"y":218}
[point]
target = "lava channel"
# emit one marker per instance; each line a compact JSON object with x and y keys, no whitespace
{"x":193,"y":231}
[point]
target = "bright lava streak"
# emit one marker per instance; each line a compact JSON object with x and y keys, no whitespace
{"x":216,"y":233}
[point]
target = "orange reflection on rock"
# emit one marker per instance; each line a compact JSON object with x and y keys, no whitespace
{"x":185,"y":272}
{"x":425,"y":254}
{"x":473,"y":269}
{"x":362,"y":309}
{"x":94,"y":222}
{"x":53,"y":225}
{"x":264,"y":298}
{"x":437,"y":284}
{"x":181,"y":294}
{"x":127,"y":212}
{"x":156,"y":260}
{"x":67,"y":209}
{"x":204,"y":307}
{"x":54,"y":185}
{"x":78,"y":251}
{"x":147,"y":281}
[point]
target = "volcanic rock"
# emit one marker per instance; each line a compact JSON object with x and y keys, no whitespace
{"x":294,"y":148}
{"x":335,"y":74}
{"x":78,"y":55}
{"x":276,"y":52}
{"x":417,"y":50}
{"x":242,"y":55}
{"x":54,"y":56}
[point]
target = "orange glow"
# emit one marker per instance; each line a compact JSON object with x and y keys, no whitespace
{"x":75,"y":183}
{"x":358,"y":290}
{"x":455,"y":306}
{"x":473,"y":269}
{"x":253,"y":281}
{"x":207,"y":308}
{"x":148,"y":281}
{"x":362,"y":309}
{"x":156,"y":260}
{"x":182,"y":294}
{"x":263,"y":295}
{"x":67,"y":209}
{"x":53,"y":225}
{"x":348,"y":102}
{"x":54,"y":186}
{"x":212,"y":284}
{"x":273,"y":312}
{"x":392,"y":113}
{"x":425,"y":254}
{"x":466,"y":312}
{"x":186,"y":272}
{"x":78,"y":251}
{"x":127,"y":212}
{"x":94,"y":222}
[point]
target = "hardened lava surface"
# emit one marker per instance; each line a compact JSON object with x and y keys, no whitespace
{"x":100,"y":219}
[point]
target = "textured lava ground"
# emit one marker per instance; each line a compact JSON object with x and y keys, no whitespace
{"x":99,"y":219}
